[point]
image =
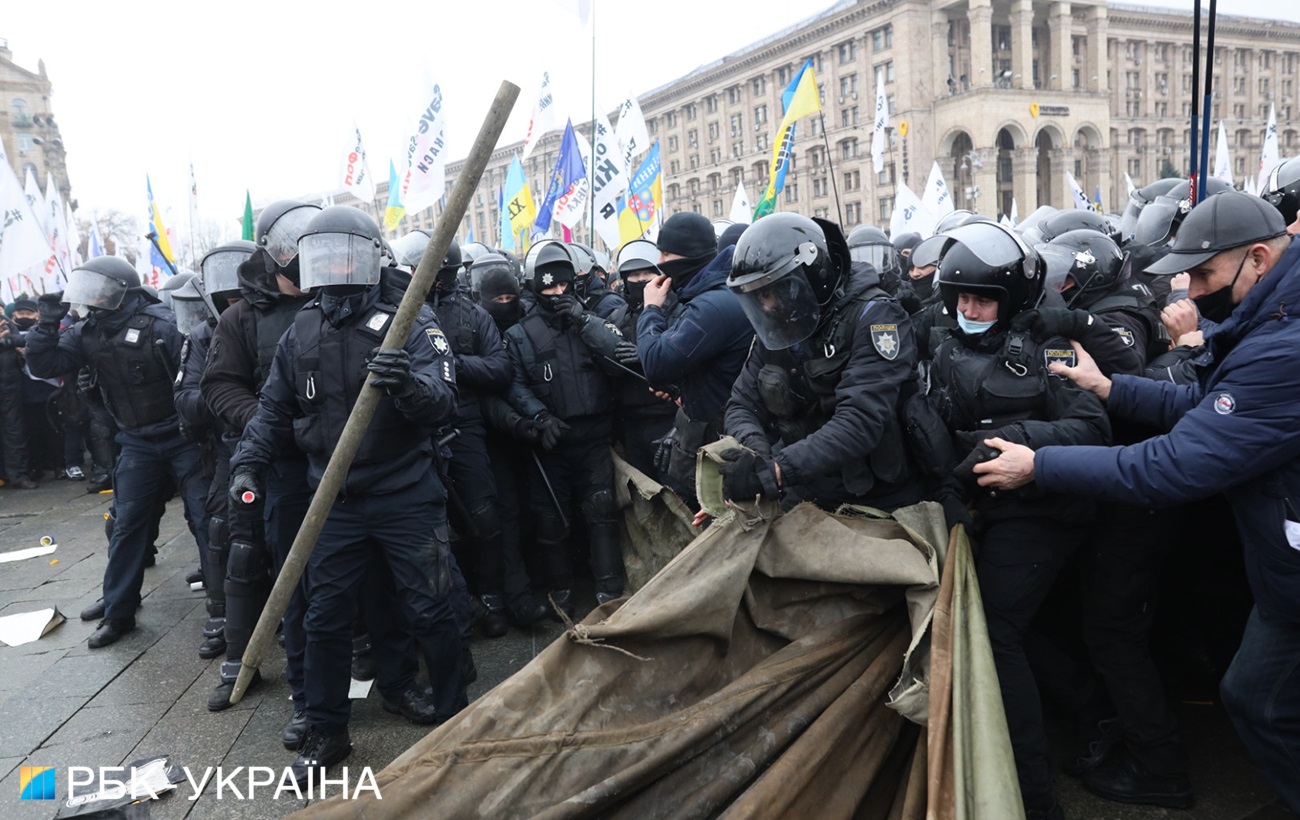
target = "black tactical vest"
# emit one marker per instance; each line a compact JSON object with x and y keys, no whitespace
{"x":561,"y":370}
{"x":271,"y":325}
{"x":1136,"y":300}
{"x":135,"y":371}
{"x":986,"y":390}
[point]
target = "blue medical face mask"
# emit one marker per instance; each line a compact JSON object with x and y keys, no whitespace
{"x":973,"y":328}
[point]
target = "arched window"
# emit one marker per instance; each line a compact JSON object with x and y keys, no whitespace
{"x":20,"y":113}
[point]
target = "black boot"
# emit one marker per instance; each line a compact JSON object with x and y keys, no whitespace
{"x":214,"y":639}
{"x":110,"y":631}
{"x":606,"y":561}
{"x":320,"y":751}
{"x":525,"y":610}
{"x":220,"y":698}
{"x":294,"y":731}
{"x":1125,"y":780}
{"x":363,"y":660}
{"x":561,"y":601}
{"x":414,"y":706}
{"x":493,"y":623}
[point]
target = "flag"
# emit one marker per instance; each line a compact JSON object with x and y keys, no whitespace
{"x":799,"y":99}
{"x":35,"y":201}
{"x":23,"y":243}
{"x":247,"y":233}
{"x":73,"y":236}
{"x":1269,"y":158}
{"x":96,"y":245}
{"x":1128,"y":182}
{"x":544,"y":116}
{"x":581,"y":8}
{"x":741,"y":212}
{"x":631,"y":131}
{"x":469,"y":236}
{"x":644,"y":196}
{"x":1096,"y":199}
{"x":519,"y":206}
{"x":936,"y":197}
{"x":573,"y":205}
{"x":424,"y":181}
{"x":507,"y":239}
{"x":609,"y":179}
{"x":194,"y":206}
{"x":3,"y":156}
{"x":164,"y":245}
{"x":910,"y":214}
{"x":1222,"y":161}
{"x":56,"y":230}
{"x":878,"y":140}
{"x":1249,"y":186}
{"x":1015,"y":213}
{"x":566,"y":173}
{"x":356,"y":169}
{"x":1077,"y":196}
{"x":395,"y":211}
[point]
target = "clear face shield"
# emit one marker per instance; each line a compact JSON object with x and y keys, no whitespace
{"x":190,"y":312}
{"x":281,"y":242}
{"x":221,"y":270}
{"x":337,"y":259}
{"x":1156,"y":223}
{"x":93,"y":290}
{"x":410,"y":248}
{"x":783,"y":312}
{"x":880,"y":257}
{"x":1065,"y":269}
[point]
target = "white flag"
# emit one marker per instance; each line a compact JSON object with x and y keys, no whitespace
{"x":1249,"y":187}
{"x":425,"y":180}
{"x":1222,"y":162}
{"x":74,"y":236}
{"x":936,"y":197}
{"x":356,"y":169}
{"x":878,"y":140}
{"x":22,"y":240}
{"x":194,"y":211}
{"x":1269,"y":158}
{"x":35,"y":201}
{"x":631,"y":132}
{"x":543,"y":119}
{"x":60,"y":265}
{"x":3,"y":156}
{"x":1076,"y":193}
{"x":910,"y":214}
{"x":1015,"y":213}
{"x":1128,"y":182}
{"x":608,"y":180}
{"x":573,"y":205}
{"x":741,"y":210}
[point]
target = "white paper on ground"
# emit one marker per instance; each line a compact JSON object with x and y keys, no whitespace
{"x":25,"y":627}
{"x":30,"y":552}
{"x":359,"y":689}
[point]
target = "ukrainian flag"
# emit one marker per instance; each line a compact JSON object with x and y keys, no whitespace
{"x":800,"y":99}
{"x":637,"y":213}
{"x":155,"y":220}
{"x":395,"y":211}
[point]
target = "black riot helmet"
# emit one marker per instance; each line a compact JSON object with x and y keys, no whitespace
{"x":409,"y":249}
{"x":1082,"y":266}
{"x":1282,"y":190}
{"x":1138,"y":199}
{"x":991,"y":260}
{"x":867,"y":243}
{"x":340,"y":247}
{"x":549,"y":263}
{"x":954,"y":219}
{"x":445,"y":282}
{"x":101,"y":283}
{"x":639,"y":255}
{"x":484,"y":264}
{"x":220,"y":271}
{"x":471,"y":251}
{"x":1031,"y":227}
{"x":1076,"y":219}
{"x":904,"y":244}
{"x":278,"y":227}
{"x":191,"y":305}
{"x":1158,"y":223}
{"x":170,"y":284}
{"x":784,"y":273}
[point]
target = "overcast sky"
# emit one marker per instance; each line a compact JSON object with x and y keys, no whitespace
{"x":262,"y":95}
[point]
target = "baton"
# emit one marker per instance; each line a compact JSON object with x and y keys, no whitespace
{"x":564,"y":519}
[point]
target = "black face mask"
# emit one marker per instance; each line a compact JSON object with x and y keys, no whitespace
{"x":291,"y":272}
{"x":504,"y":314}
{"x":24,"y":324}
{"x":1217,"y":306}
{"x":682,"y":271}
{"x":634,"y":293}
{"x":445,"y":281}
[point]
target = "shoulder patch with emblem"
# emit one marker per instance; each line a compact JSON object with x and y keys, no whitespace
{"x":132,"y":336}
{"x":1225,"y":404}
{"x":377,"y":321}
{"x":885,"y":339}
{"x":614,"y":329}
{"x":1065,"y":356}
{"x":438,"y":340}
{"x":1125,"y":335}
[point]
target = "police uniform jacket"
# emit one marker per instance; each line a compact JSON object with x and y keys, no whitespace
{"x":1235,"y":430}
{"x":561,"y":369}
{"x":482,"y":366}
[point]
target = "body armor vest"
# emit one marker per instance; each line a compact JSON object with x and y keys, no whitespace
{"x":271,"y":325}
{"x":1136,"y":300}
{"x":562,"y":371}
{"x":135,"y":372}
{"x":987,"y":390}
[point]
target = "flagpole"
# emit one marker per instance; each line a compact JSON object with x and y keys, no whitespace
{"x":1196,"y":86}
{"x":591,"y":164}
{"x":1209,"y":87}
{"x":839,"y":212}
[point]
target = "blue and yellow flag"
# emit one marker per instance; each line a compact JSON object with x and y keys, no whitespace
{"x":519,"y":205}
{"x":161,"y":243}
{"x":638,"y":211}
{"x":799,"y":99}
{"x":395,"y":211}
{"x":568,"y":170}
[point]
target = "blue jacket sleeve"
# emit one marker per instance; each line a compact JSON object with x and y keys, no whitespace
{"x":1157,"y":403}
{"x":51,"y":353}
{"x":670,"y":353}
{"x":434,"y":402}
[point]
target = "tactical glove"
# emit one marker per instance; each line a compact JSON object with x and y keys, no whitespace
{"x":245,"y":480}
{"x":625,"y":353}
{"x":51,"y":309}
{"x":567,"y":306}
{"x":955,"y":512}
{"x":390,"y":369}
{"x":552,"y":428}
{"x":1044,"y":323}
{"x":747,"y":475}
{"x":528,"y":430}
{"x":981,"y":452}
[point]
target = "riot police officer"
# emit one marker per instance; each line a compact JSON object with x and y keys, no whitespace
{"x":133,"y":348}
{"x":561,"y":356}
{"x":868,"y":244}
{"x":817,"y":402}
{"x":392,"y":498}
{"x":989,"y":381}
{"x":590,"y":288}
{"x":1282,"y":191}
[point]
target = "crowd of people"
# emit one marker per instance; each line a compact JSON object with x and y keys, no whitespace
{"x":1059,"y":388}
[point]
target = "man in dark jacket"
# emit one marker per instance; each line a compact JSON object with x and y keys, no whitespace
{"x":1235,"y":431}
{"x":700,"y":346}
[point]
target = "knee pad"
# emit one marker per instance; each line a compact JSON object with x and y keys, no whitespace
{"x":487,"y":521}
{"x":247,"y":564}
{"x":550,"y":529}
{"x":218,"y":532}
{"x":599,"y":507}
{"x":109,"y":518}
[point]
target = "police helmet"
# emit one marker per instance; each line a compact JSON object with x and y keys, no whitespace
{"x":954,"y":219}
{"x":784,"y":272}
{"x":471,"y":251}
{"x":1283,"y":189}
{"x":101,"y":283}
{"x":584,"y":258}
{"x":1082,"y":266}
{"x":191,"y":304}
{"x":991,"y":260}
{"x":409,"y":249}
{"x":547,"y":263}
{"x":1077,"y":219}
{"x":484,"y":264}
{"x":278,"y":227}
{"x":170,"y":284}
{"x":867,"y":243}
{"x":340,"y":246}
{"x":1159,"y":220}
{"x":1138,"y":199}
{"x":220,"y":269}
{"x":639,"y":254}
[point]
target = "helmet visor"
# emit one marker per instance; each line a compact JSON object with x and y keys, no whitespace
{"x":477,"y":272}
{"x":281,"y":241}
{"x":190,"y":313}
{"x":930,"y":251}
{"x":1063,"y":269}
{"x":95,"y":290}
{"x":783,"y":312}
{"x":880,"y":257}
{"x":1156,"y":223}
{"x":221,"y":270}
{"x":638,"y":255}
{"x":410,"y":248}
{"x":338,"y":259}
{"x":991,"y":244}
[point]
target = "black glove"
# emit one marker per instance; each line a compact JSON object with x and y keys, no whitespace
{"x":746,"y":475}
{"x":552,"y":428}
{"x":955,"y":512}
{"x":567,"y":306}
{"x":664,"y":452}
{"x":528,"y":430}
{"x":981,"y":452}
{"x":245,"y":480}
{"x":625,"y":353}
{"x":1044,"y":323}
{"x":391,"y":370}
{"x":51,"y":308}
{"x":86,"y":381}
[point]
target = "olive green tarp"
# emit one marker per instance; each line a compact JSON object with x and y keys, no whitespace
{"x":760,"y":673}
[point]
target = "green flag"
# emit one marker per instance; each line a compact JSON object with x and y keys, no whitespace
{"x":248,"y":217}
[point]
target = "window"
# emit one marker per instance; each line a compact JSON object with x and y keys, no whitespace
{"x":792,"y":192}
{"x":713,"y":131}
{"x":887,"y":69}
{"x":1240,"y":169}
{"x":674,"y":167}
{"x":690,"y":111}
{"x":733,"y":94}
{"x":760,"y":114}
{"x":853,"y":179}
{"x":695,"y":187}
{"x":816,"y":126}
{"x":695,"y":161}
{"x":671,"y":116}
{"x":711,"y":104}
{"x":848,"y":148}
{"x":1239,"y":85}
{"x":886,"y":209}
{"x":737,"y":148}
{"x":1239,"y":111}
{"x":762,"y":142}
{"x":737,"y":124}
{"x":1187,"y":82}
{"x":20,"y":115}
{"x":672,"y":143}
{"x":1239,"y":58}
{"x":1135,"y":168}
{"x":25,"y":143}
{"x":715,"y":156}
{"x":693,"y":138}
{"x":819,"y":187}
{"x":674,"y":192}
{"x":784,"y":74}
{"x":1162,"y":83}
{"x":852,"y":213}
{"x":758,"y":85}
{"x":891,"y":105}
{"x":1132,"y":79}
{"x":885,"y":177}
{"x":882,"y":38}
{"x":1162,"y":109}
{"x":849,"y":116}
{"x":849,"y":86}
{"x":652,"y":126}
{"x":848,"y":52}
{"x":717,"y":207}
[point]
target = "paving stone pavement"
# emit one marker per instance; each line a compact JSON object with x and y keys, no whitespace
{"x":63,"y":705}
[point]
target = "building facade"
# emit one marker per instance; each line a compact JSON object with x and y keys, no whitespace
{"x":27,"y":128}
{"x":1005,"y":95}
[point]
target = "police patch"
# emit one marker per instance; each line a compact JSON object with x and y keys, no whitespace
{"x":1065,"y":356}
{"x":1125,"y":335}
{"x":885,"y":339}
{"x":1225,"y":404}
{"x":438,"y":340}
{"x":133,"y":336}
{"x":377,"y":322}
